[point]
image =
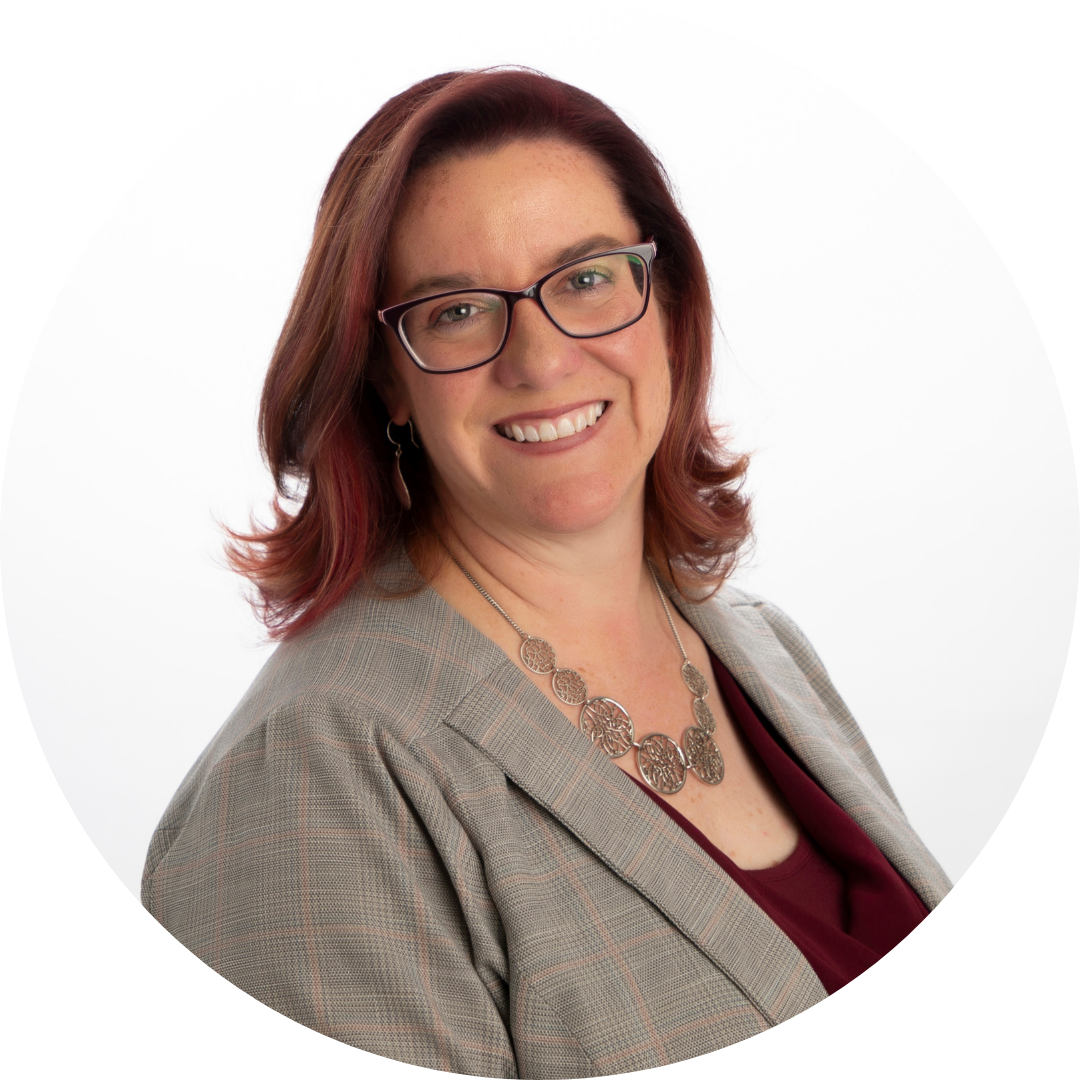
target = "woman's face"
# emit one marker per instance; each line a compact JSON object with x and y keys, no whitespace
{"x":502,"y":220}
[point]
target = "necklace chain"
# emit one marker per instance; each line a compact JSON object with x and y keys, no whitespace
{"x":490,"y":599}
{"x":662,"y":762}
{"x":667,"y":612}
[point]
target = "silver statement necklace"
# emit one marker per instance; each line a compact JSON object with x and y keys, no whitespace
{"x":662,"y":762}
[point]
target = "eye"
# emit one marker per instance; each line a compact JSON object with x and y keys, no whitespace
{"x":591,"y":278}
{"x":454,"y":318}
{"x":458,"y":311}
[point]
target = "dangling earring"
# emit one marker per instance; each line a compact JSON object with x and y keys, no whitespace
{"x":401,"y":489}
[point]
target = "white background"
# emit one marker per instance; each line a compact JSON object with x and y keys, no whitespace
{"x":910,"y":450}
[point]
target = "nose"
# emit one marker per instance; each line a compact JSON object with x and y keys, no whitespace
{"x":537,"y":353}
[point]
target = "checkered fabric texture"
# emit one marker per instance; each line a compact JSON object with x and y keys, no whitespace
{"x":397,"y":840}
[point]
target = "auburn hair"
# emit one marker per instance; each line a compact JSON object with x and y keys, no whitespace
{"x":322,"y":424}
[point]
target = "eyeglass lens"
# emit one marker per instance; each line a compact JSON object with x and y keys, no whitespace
{"x":595,"y":296}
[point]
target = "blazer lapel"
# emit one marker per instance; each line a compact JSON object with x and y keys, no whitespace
{"x":556,"y":765}
{"x":751,"y":650}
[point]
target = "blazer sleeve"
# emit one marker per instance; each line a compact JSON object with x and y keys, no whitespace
{"x":302,"y":865}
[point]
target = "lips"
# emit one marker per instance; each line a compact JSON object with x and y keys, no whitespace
{"x":551,"y":429}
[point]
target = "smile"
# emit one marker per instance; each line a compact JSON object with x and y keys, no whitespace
{"x":554,"y":428}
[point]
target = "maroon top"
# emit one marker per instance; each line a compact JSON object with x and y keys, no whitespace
{"x":836,"y":896}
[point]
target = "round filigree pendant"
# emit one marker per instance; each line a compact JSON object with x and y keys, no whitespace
{"x":695,"y":680}
{"x":569,"y":686}
{"x":662,"y":764}
{"x":703,"y":755}
{"x":537,"y":655}
{"x":608,"y":725}
{"x":704,"y":717}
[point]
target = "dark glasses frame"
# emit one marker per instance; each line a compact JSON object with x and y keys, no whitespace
{"x":393,"y":316}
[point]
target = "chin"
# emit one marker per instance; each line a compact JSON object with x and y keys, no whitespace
{"x":571,"y":509}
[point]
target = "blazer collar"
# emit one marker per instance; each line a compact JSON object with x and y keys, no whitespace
{"x":748,"y":646}
{"x":514,"y":723}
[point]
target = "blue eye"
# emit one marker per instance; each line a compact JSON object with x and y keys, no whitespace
{"x":585,"y":281}
{"x":457,"y":312}
{"x":588,"y":279}
{"x":458,"y":315}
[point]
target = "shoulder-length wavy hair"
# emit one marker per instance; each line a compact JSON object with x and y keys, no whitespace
{"x":322,"y":424}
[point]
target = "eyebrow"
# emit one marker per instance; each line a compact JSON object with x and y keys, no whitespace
{"x":445,"y":282}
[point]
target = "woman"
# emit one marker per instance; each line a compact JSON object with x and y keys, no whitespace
{"x":526,"y":789}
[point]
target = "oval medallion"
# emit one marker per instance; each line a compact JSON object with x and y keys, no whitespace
{"x":569,"y":686}
{"x":537,"y":655}
{"x":703,"y":715}
{"x":703,"y":755}
{"x":662,"y":764}
{"x":608,"y":725}
{"x":695,"y":680}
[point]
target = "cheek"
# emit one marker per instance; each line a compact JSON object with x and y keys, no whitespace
{"x":653,"y":375}
{"x":440,"y":410}
{"x":655,"y":403}
{"x":661,"y":398}
{"x":418,"y":391}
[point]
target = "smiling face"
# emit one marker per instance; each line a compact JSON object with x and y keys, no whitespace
{"x":597,"y":406}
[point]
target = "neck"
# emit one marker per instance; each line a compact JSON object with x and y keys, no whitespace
{"x":590,"y":581}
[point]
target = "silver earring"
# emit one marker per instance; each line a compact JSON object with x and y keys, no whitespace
{"x":401,"y":489}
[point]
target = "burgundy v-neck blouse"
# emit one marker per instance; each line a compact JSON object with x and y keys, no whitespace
{"x":836,"y":896}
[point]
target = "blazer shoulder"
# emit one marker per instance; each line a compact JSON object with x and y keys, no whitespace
{"x":749,"y":607}
{"x":383,"y":669}
{"x":766,"y":632}
{"x":732,"y":596}
{"x":400,"y":662}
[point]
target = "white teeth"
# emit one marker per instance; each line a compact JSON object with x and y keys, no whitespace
{"x":551,"y":430}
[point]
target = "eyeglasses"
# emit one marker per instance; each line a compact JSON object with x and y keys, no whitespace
{"x":586,"y":298}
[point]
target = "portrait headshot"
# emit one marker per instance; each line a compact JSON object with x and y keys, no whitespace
{"x":529,"y":568}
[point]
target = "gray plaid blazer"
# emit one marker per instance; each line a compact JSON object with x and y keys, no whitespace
{"x":397,"y":840}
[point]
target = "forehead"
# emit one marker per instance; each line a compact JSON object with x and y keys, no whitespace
{"x":504,"y":212}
